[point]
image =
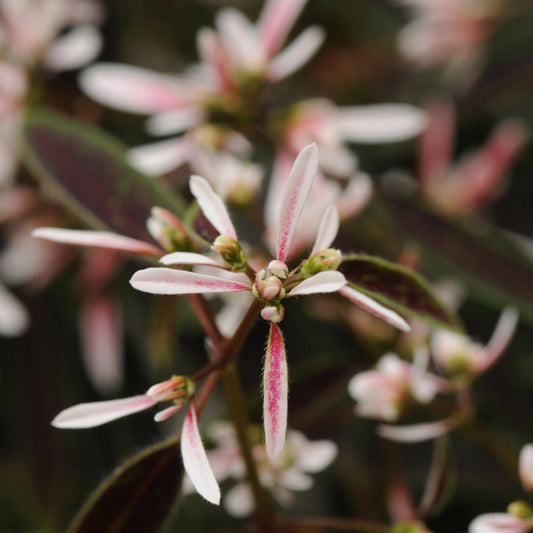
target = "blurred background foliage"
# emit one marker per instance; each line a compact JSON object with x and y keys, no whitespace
{"x":46,"y":473}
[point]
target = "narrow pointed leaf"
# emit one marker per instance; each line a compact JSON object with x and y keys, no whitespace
{"x":397,"y":287}
{"x":138,"y":497}
{"x":87,"y":171}
{"x":329,"y":281}
{"x":87,"y":415}
{"x":294,"y":197}
{"x":169,"y":281}
{"x":195,"y":459}
{"x":275,"y":392}
{"x":212,"y":206}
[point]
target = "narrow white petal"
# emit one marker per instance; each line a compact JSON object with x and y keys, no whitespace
{"x":526,"y":467}
{"x":195,"y":459}
{"x":296,"y":54}
{"x":88,"y":415}
{"x":96,"y":239}
{"x":212,"y":206}
{"x":327,"y":231}
{"x":501,"y":336}
{"x":169,"y":281}
{"x":275,"y":391}
{"x":189,"y":258}
{"x":133,"y":89}
{"x":239,"y":501}
{"x":370,"y":305}
{"x":294,"y":197}
{"x":380,"y":123}
{"x":14,"y":319}
{"x":315,"y":456}
{"x":416,"y":432}
{"x":161,"y":157}
{"x":174,"y":120}
{"x":76,"y":48}
{"x":328,"y":281}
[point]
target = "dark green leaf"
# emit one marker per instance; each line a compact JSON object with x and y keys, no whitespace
{"x":138,"y":497}
{"x":87,"y":171}
{"x":397,"y":287}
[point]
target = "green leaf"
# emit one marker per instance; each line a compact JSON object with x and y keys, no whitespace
{"x":397,"y":287}
{"x":87,"y":170}
{"x":138,"y":497}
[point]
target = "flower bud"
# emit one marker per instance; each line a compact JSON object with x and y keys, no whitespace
{"x":267,"y":287}
{"x":273,"y":313}
{"x":520,"y":509}
{"x":278,"y":268}
{"x":329,"y":259}
{"x":168,"y":230}
{"x":231,"y":252}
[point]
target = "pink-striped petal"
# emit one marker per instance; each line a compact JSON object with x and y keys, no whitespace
{"x":296,"y":54}
{"x":327,"y":281}
{"x":327,"y":231}
{"x":189,"y":258}
{"x":134,"y":89}
{"x":380,"y":123}
{"x":294,"y":197}
{"x":375,"y":308}
{"x":525,"y":467}
{"x":275,"y":22}
{"x":212,"y":206}
{"x":169,"y":281}
{"x":499,"y":523}
{"x":101,"y":335}
{"x":96,"y":239}
{"x":195,"y":459}
{"x":275,"y":391}
{"x":88,"y":415}
{"x":417,"y":432}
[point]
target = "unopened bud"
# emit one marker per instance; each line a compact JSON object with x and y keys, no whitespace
{"x":168,"y":230}
{"x":520,"y":509}
{"x":267,"y":287}
{"x":278,"y":268}
{"x":273,"y":313}
{"x":329,"y":259}
{"x":231,"y":252}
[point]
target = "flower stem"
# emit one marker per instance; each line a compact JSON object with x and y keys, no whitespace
{"x":235,"y":399}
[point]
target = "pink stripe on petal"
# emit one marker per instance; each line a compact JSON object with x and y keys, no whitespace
{"x":370,"y":305}
{"x":329,"y":281}
{"x":212,"y":206}
{"x":294,"y":197}
{"x":275,"y":391}
{"x":134,"y":89}
{"x":327,"y":231}
{"x":167,"y":413}
{"x":169,"y":281}
{"x":96,"y":239}
{"x":275,"y":22}
{"x":189,"y":258}
{"x":195,"y":459}
{"x":87,"y":415}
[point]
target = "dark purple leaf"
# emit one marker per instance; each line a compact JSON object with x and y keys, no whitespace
{"x":87,"y":171}
{"x":397,"y":287}
{"x":138,"y":497}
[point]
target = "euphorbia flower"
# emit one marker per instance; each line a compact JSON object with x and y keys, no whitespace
{"x":177,"y":390}
{"x":270,"y":285}
{"x":237,"y":56}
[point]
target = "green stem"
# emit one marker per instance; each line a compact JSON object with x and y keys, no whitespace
{"x":235,"y":399}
